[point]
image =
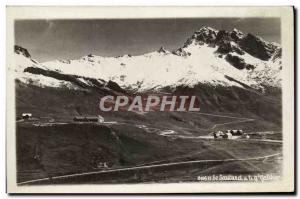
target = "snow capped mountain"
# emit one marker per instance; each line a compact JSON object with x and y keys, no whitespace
{"x":209,"y":56}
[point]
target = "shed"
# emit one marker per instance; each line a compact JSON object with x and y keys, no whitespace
{"x":98,"y":118}
{"x":26,"y":115}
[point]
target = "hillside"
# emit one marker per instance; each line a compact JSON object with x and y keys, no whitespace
{"x":236,"y":78}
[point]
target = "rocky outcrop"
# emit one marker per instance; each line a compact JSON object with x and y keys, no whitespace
{"x":114,"y":86}
{"x":226,"y":47}
{"x":256,"y":47}
{"x":162,"y":50}
{"x":23,"y":51}
{"x":236,"y":35}
{"x":206,"y":34}
{"x":238,"y":62}
{"x":233,"y":41}
{"x":181,"y":52}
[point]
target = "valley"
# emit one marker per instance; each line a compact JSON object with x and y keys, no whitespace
{"x":235,"y":79}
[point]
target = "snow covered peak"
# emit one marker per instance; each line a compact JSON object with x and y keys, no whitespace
{"x":237,"y":31}
{"x":204,"y":34}
{"x":209,"y":56}
{"x":207,"y":30}
{"x":230,"y":42}
{"x":236,"y":34}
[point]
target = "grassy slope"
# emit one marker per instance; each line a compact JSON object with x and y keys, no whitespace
{"x":76,"y":148}
{"x":64,"y":104}
{"x":57,"y":150}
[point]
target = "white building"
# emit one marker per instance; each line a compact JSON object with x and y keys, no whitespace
{"x":100,"y":119}
{"x":26,"y":115}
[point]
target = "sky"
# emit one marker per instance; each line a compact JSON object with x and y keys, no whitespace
{"x":48,"y":40}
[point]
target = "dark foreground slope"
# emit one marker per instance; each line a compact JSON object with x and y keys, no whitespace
{"x":47,"y":152}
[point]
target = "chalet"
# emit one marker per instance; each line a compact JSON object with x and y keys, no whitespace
{"x":236,"y":132}
{"x":98,"y":118}
{"x":230,"y":134}
{"x":227,"y":135}
{"x":26,"y":115}
{"x":218,"y":134}
{"x":102,"y":165}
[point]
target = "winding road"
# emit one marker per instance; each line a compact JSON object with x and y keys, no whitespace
{"x":135,"y":168}
{"x":165,"y":165}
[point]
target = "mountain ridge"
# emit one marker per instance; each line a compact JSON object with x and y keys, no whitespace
{"x":208,"y":56}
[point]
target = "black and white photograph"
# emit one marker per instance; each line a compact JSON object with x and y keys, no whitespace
{"x":199,"y":99}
